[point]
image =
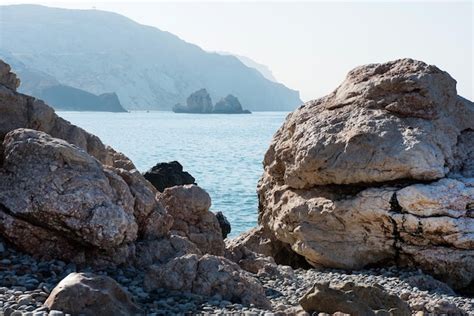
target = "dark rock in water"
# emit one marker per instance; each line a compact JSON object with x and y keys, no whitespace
{"x":229,"y":105}
{"x":168,"y":174}
{"x":198,"y":102}
{"x":224,"y":224}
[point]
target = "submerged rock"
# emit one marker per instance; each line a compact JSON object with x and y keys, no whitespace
{"x":168,"y":174}
{"x":89,"y":294}
{"x":379,"y":171}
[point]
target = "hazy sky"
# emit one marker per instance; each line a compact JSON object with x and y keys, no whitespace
{"x":310,"y":46}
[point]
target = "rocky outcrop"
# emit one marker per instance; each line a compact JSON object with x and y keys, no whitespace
{"x":379,"y":171}
{"x":22,"y":111}
{"x":168,"y":174}
{"x":89,"y":294}
{"x":208,"y":275}
{"x":353,"y":299}
{"x":7,"y":78}
{"x":229,"y":105}
{"x":223,"y":224}
{"x":65,"y":98}
{"x":189,"y":206}
{"x":198,"y":102}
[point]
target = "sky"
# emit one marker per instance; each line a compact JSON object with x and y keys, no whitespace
{"x":310,"y":46}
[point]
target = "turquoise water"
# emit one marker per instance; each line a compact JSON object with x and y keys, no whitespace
{"x":223,"y":152}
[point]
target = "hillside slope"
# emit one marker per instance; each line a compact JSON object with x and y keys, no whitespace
{"x":100,"y":52}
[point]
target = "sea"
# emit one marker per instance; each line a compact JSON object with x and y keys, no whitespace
{"x":224,"y":152}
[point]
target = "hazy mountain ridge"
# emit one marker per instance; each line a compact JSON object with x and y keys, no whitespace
{"x":264,"y":70}
{"x":61,"y":97}
{"x":146,"y":67}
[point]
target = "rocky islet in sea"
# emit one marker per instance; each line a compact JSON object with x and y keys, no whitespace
{"x":77,"y":217}
{"x":200,"y":102}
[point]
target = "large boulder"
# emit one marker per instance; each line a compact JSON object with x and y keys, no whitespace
{"x":89,"y":294}
{"x":379,"y":171}
{"x":58,"y":201}
{"x":168,"y":174}
{"x":208,"y":275}
{"x":353,"y":299}
{"x":189,"y":206}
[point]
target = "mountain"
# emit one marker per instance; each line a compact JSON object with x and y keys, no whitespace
{"x":100,"y":52}
{"x":60,"y":97}
{"x":264,"y":70}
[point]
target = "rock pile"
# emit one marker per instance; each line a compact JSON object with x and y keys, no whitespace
{"x":77,"y":220}
{"x":65,"y":195}
{"x":380,"y":171}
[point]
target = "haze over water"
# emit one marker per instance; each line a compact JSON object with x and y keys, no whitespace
{"x":223,"y":152}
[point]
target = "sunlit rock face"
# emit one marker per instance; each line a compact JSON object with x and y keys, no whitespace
{"x":379,"y":171}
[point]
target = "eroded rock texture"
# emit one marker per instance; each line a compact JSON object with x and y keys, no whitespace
{"x":189,"y":205}
{"x":208,"y":275}
{"x":353,"y":299}
{"x":378,"y":171}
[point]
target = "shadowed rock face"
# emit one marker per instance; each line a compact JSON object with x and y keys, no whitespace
{"x":378,"y":171}
{"x":168,"y":174}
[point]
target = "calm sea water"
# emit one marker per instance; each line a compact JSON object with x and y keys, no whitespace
{"x":223,"y":152}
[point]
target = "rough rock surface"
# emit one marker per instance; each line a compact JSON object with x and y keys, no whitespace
{"x":189,"y":206}
{"x":168,"y":174}
{"x":378,"y":171}
{"x":89,"y":294}
{"x":208,"y":275}
{"x":353,"y":299}
{"x":198,"y":102}
{"x":7,"y":78}
{"x":60,"y":202}
{"x":22,"y":111}
{"x":223,"y":224}
{"x":229,"y":105}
